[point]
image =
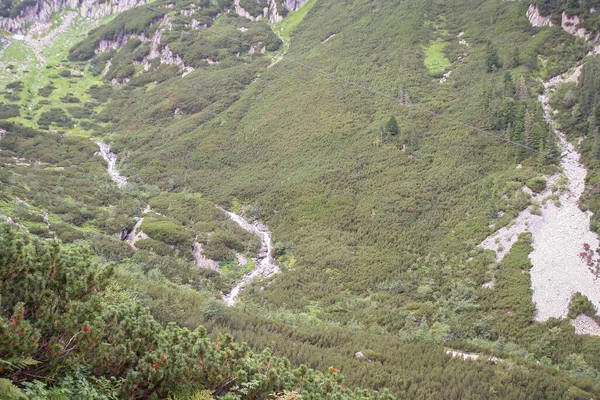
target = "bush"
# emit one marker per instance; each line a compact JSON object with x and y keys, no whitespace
{"x":580,"y":304}
{"x":9,"y":111}
{"x":160,"y":248}
{"x":166,"y":231}
{"x":536,"y":184}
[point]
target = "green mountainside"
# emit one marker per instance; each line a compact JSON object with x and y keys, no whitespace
{"x":376,"y":144}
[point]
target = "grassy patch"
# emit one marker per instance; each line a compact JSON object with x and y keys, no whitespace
{"x":435,"y":60}
{"x":285,"y":28}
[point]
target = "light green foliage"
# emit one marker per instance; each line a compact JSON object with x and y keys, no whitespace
{"x":10,"y":392}
{"x":435,"y":60}
{"x":193,"y":395}
{"x":286,"y":27}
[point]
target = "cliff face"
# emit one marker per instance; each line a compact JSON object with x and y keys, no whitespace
{"x":571,"y":23}
{"x":270,"y":12}
{"x":38,"y":15}
{"x":536,"y":19}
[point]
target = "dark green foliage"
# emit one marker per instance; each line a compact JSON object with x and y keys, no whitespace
{"x":536,"y":184}
{"x":69,"y":98}
{"x":583,"y":9}
{"x":222,"y":246}
{"x":165,"y":230}
{"x":578,"y":116}
{"x":47,"y":90}
{"x":254,"y":7}
{"x":160,"y":248}
{"x":16,"y":85}
{"x":9,"y":111}
{"x":377,"y":239}
{"x":137,"y":21}
{"x":55,"y":116}
{"x":510,"y":299}
{"x":580,"y":304}
{"x":391,"y":127}
{"x":58,"y":316}
{"x":492,"y":61}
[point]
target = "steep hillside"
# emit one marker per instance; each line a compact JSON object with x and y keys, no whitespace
{"x":330,"y":168}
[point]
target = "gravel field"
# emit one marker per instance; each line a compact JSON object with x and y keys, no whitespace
{"x":559,"y":235}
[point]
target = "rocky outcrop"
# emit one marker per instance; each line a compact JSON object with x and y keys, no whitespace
{"x":201,"y":260}
{"x":239,"y":10}
{"x":164,"y":54}
{"x":270,"y":12}
{"x":585,"y":325}
{"x":136,"y":234}
{"x":572,"y":24}
{"x":96,"y":9}
{"x":536,"y":19}
{"x":37,"y":16}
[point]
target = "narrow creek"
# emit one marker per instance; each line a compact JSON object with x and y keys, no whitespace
{"x":111,"y":164}
{"x":560,"y":234}
{"x":265,"y":262}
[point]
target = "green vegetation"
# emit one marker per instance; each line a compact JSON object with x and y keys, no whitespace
{"x":537,"y":184}
{"x":435,"y":60}
{"x":63,"y":320}
{"x":583,"y":9}
{"x":286,"y":27}
{"x":580,"y":304}
{"x":377,"y":208}
{"x":578,"y":116}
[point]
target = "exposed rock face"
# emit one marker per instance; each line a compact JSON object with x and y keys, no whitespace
{"x":122,"y":39}
{"x":201,"y":260}
{"x":293,"y":5}
{"x":136,"y":234}
{"x":239,"y":10}
{"x":270,"y":12}
{"x":571,"y":24}
{"x":536,"y":19}
{"x":37,"y":15}
{"x":164,"y":54}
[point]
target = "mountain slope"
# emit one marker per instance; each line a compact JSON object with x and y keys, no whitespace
{"x":377,"y":206}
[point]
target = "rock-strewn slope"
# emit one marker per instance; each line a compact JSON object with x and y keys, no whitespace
{"x":37,"y":16}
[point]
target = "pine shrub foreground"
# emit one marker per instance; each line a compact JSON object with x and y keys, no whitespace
{"x":61,"y":330}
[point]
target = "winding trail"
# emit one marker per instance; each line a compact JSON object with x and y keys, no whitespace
{"x":111,"y":161}
{"x":265,"y":262}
